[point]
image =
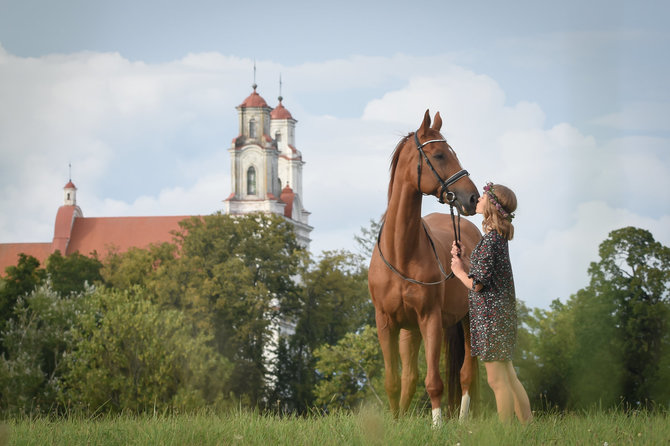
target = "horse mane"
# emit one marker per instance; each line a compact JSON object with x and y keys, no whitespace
{"x":394,"y":163}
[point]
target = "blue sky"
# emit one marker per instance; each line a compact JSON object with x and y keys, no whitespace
{"x":567,"y":103}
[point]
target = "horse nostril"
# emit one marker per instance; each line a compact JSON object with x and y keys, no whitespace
{"x":473,"y":199}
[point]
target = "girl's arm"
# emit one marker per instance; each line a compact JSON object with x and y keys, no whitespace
{"x":459,"y":269}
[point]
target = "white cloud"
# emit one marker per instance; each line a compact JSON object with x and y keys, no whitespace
{"x":638,"y":116}
{"x":555,"y":266}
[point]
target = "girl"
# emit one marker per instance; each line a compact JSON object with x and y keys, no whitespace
{"x":492,"y":301}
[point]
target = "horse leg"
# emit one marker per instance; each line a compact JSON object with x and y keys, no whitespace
{"x":388,"y":340}
{"x":431,"y":331}
{"x":409,"y":344}
{"x":469,"y":373}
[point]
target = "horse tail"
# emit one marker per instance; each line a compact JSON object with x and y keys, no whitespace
{"x":455,"y":354}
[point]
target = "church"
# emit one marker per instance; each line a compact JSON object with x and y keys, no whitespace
{"x":266,"y":176}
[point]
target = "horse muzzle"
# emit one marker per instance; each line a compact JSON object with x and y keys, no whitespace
{"x":466,"y":203}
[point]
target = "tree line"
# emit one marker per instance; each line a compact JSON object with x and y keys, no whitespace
{"x":190,"y":324}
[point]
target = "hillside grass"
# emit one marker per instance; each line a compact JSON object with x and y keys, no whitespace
{"x":366,"y":427}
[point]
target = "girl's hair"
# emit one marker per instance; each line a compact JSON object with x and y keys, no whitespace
{"x":493,"y":219}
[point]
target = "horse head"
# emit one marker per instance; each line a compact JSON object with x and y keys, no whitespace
{"x":449,"y":182}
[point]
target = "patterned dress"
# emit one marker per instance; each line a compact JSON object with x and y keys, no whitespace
{"x":493,"y":309}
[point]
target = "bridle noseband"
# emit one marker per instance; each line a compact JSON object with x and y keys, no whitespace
{"x":451,"y":200}
{"x":451,"y":197}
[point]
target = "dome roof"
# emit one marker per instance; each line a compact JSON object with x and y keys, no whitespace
{"x":280,"y":112}
{"x":254,"y":100}
{"x":70,"y":185}
{"x":287,"y":196}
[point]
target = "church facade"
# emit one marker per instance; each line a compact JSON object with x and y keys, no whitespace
{"x":266,"y":176}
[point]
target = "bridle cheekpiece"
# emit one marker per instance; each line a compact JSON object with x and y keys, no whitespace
{"x":450,"y":196}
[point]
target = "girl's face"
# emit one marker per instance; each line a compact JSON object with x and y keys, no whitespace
{"x":481,"y":202}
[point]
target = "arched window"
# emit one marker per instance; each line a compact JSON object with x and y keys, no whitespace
{"x":278,"y":136}
{"x":251,"y":181}
{"x":253,"y":128}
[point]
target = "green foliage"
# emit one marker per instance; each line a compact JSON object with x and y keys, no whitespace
{"x":232,"y":275}
{"x":19,"y":281}
{"x":37,"y":342}
{"x":609,"y":344}
{"x":352,"y":371}
{"x":367,"y":239}
{"x":135,"y":266}
{"x":71,"y":273}
{"x":132,"y":355}
{"x":334,"y":301}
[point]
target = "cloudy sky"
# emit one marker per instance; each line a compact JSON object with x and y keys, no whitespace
{"x":565,"y":102}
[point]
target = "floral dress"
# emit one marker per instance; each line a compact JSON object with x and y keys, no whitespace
{"x":493,"y":309}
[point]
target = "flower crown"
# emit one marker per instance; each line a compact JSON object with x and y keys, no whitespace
{"x":488,"y":189}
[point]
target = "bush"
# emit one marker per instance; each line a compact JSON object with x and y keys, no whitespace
{"x":133,"y":355}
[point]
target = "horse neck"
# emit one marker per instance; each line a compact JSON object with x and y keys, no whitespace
{"x":403,"y":229}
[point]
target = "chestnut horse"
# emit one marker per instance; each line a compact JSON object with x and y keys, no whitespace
{"x":413,"y":295}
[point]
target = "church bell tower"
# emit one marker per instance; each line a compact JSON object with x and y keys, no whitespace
{"x":265,"y":166}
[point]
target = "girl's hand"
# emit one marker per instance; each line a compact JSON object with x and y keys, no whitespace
{"x":455,"y":250}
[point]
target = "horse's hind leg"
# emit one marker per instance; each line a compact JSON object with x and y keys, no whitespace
{"x":410,"y":341}
{"x":388,"y":340}
{"x":468,"y":373}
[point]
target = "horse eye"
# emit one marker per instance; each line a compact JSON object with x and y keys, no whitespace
{"x":438,"y":156}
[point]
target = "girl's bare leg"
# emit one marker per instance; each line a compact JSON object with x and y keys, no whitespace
{"x":498,"y":379}
{"x":521,"y":401}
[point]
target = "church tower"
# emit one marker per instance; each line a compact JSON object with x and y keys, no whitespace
{"x":266,"y":168}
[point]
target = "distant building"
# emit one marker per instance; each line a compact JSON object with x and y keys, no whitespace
{"x":266,"y":172}
{"x":265,"y":166}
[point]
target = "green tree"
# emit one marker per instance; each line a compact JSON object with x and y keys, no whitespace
{"x":19,"y":281}
{"x":335,"y":301}
{"x":132,"y":355}
{"x":367,"y":238}
{"x":37,"y":341}
{"x":609,"y":343}
{"x":136,"y":266}
{"x":634,"y":274}
{"x":351,"y":371}
{"x":546,"y":369}
{"x":236,"y":275}
{"x":71,"y":273}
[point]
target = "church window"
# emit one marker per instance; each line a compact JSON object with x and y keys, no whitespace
{"x":253,"y":128}
{"x":251,"y":181}
{"x":68,"y":195}
{"x":278,"y":136}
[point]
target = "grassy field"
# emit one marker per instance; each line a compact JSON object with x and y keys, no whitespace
{"x":367,"y":427}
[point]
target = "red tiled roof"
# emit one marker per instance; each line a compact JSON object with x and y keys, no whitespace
{"x":254,"y":100}
{"x":9,"y":253}
{"x":70,"y":185}
{"x":280,"y":112}
{"x":88,"y":235}
{"x":63,"y":226}
{"x":121,"y":233}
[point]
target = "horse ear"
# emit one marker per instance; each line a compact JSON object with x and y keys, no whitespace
{"x":425,"y":125}
{"x":437,"y":125}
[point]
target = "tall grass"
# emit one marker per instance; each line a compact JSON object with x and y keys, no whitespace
{"x":365,"y":427}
